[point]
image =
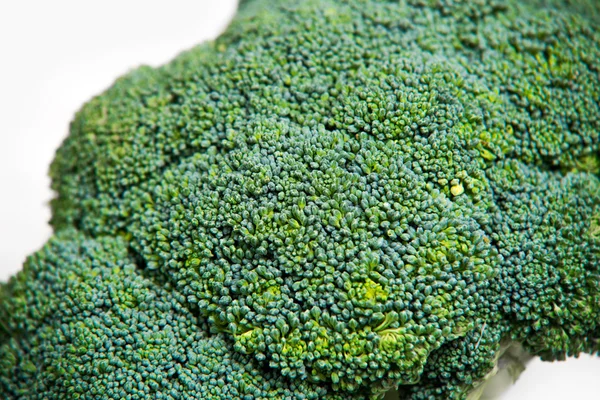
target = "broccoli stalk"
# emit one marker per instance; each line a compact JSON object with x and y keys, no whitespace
{"x":511,"y":361}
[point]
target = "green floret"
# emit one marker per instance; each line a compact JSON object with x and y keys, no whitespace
{"x":332,"y":199}
{"x":82,"y":321}
{"x":547,"y":233}
{"x":328,"y":258}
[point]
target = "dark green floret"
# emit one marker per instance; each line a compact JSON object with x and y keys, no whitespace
{"x":332,"y":199}
{"x":81,"y":321}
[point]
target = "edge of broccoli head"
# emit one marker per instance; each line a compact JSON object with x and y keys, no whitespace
{"x":511,"y":361}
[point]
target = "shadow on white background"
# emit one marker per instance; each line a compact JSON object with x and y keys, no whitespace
{"x":55,"y":55}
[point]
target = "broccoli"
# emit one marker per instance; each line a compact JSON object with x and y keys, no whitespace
{"x":82,"y":322}
{"x":333,"y":199}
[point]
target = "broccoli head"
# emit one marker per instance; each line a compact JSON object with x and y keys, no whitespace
{"x":332,"y":199}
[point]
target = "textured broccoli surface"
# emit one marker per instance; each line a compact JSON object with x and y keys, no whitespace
{"x":332,"y":199}
{"x":82,"y":321}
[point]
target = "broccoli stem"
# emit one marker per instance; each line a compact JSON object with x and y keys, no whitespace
{"x":511,"y":362}
{"x":392,"y":395}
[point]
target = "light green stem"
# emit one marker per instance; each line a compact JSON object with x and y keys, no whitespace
{"x":510,"y":363}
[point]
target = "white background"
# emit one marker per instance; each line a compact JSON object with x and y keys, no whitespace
{"x":55,"y":55}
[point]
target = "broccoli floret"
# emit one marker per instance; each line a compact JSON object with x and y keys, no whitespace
{"x":547,"y":233}
{"x":332,"y":199}
{"x":296,"y":263}
{"x":83,"y":321}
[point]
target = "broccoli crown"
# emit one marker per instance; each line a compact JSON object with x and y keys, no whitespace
{"x":342,"y":196}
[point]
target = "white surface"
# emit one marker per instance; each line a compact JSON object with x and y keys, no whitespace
{"x":574,"y":379}
{"x":56,"y":54}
